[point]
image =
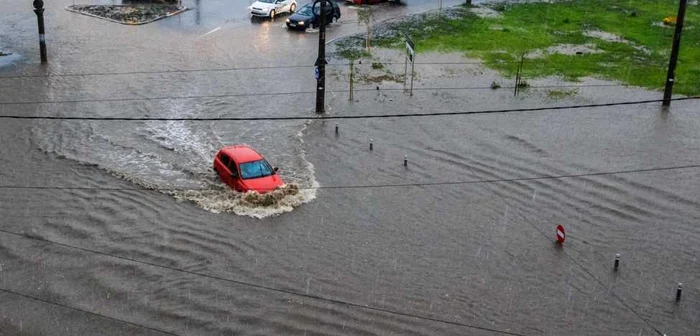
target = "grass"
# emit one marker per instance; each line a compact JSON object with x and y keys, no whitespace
{"x":352,"y":48}
{"x":526,"y":27}
{"x":560,"y":94}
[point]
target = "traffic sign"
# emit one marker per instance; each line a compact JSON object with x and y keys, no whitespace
{"x":316,"y":74}
{"x":561,"y":235}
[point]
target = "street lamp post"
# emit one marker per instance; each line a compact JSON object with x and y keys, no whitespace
{"x":39,"y":10}
{"x":321,"y":60}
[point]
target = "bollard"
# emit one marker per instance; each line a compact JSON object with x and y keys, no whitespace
{"x":617,"y":261}
{"x":370,"y":144}
{"x":336,"y":128}
{"x":405,"y":160}
{"x":678,"y":291}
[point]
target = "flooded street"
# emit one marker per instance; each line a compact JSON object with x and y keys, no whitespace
{"x":122,"y":227}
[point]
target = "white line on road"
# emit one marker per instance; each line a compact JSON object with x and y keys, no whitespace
{"x":211,"y":32}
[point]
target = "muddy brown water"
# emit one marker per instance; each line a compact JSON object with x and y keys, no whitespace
{"x":478,"y":255}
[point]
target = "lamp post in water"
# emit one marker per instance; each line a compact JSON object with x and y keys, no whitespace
{"x":39,"y":10}
{"x":321,"y":60}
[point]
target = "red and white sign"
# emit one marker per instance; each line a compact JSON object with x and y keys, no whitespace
{"x":561,"y":235}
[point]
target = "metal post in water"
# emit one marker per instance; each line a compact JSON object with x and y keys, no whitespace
{"x":413,"y":73}
{"x":352,"y":75}
{"x":405,"y":72}
{"x":678,"y":291}
{"x":405,"y":160}
{"x":370,"y":144}
{"x":617,"y":261}
{"x":336,"y":128}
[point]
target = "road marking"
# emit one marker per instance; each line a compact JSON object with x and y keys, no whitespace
{"x":211,"y":32}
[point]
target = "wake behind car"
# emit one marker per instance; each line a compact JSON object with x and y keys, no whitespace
{"x":270,"y":8}
{"x":243,"y":169}
{"x":307,"y":17}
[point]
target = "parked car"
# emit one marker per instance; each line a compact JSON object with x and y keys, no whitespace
{"x":364,"y":2}
{"x":306,"y":17}
{"x":243,"y":169}
{"x":270,"y":8}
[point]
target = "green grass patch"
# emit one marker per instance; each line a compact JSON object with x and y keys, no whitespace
{"x":352,"y":48}
{"x":526,"y":27}
{"x":560,"y":94}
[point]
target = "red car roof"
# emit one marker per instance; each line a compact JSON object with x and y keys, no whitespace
{"x":241,"y":153}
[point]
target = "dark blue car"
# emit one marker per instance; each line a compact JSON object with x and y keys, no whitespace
{"x":306,"y":17}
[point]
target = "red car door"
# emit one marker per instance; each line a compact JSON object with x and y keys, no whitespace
{"x":221,"y":166}
{"x":234,"y":177}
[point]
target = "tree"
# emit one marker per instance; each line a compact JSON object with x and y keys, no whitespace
{"x":365,"y":16}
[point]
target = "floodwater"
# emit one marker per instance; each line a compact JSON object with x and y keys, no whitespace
{"x":462,"y":259}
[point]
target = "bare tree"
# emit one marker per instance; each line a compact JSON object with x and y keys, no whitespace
{"x":365,"y":16}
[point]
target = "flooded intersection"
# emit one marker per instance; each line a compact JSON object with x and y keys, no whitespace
{"x":401,"y":255}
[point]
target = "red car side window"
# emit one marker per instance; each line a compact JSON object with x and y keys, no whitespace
{"x":232,"y":167}
{"x":224,"y":159}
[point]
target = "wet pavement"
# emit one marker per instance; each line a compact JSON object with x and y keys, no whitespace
{"x":464,"y":258}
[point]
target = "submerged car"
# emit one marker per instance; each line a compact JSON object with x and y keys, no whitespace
{"x":270,"y":8}
{"x":306,"y":17}
{"x":243,"y":169}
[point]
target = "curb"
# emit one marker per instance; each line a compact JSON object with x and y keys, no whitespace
{"x":182,"y":9}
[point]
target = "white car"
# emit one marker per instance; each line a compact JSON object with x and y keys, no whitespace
{"x":270,"y":8}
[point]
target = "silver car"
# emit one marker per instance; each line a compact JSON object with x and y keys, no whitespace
{"x":270,"y":8}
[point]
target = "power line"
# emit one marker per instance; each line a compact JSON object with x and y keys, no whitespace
{"x":335,"y":301}
{"x":580,"y":265}
{"x":107,"y":100}
{"x":338,"y":117}
{"x":147,"y":72}
{"x":617,"y":297}
{"x":278,"y":67}
{"x":389,"y":185}
{"x":79,"y":309}
{"x":259,"y":94}
{"x":248,"y":284}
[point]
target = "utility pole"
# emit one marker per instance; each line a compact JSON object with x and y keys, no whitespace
{"x":671,"y":76}
{"x":321,"y":60}
{"x":39,"y":10}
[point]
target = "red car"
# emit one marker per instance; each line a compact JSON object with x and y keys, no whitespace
{"x":243,"y":169}
{"x":364,"y":2}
